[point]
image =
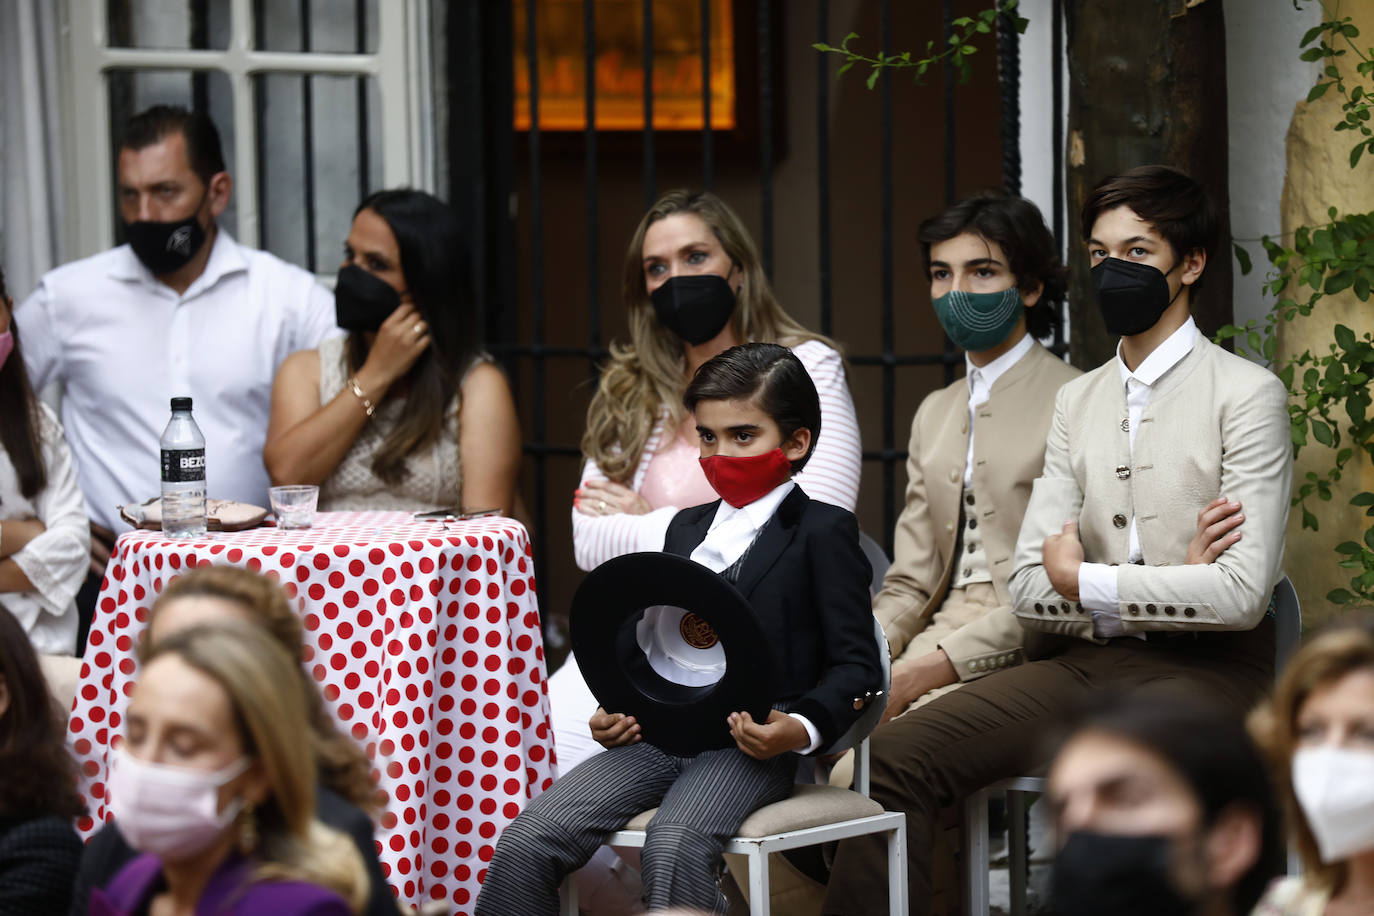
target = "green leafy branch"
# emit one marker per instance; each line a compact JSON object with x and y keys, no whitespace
{"x":1330,"y":390}
{"x":958,"y":48}
{"x":1357,"y":102}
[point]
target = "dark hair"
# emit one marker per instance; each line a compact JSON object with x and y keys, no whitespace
{"x":434,"y":253}
{"x":1208,"y":746}
{"x":1018,"y":228}
{"x":770,"y":376}
{"x":40,"y":776}
{"x":1170,"y":201}
{"x":343,"y":767}
{"x":152,"y":125}
{"x":20,"y":422}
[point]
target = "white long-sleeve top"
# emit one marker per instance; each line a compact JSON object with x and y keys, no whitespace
{"x":55,"y":562}
{"x":832,"y":474}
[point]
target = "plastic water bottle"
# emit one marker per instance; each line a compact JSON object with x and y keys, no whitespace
{"x":183,"y":474}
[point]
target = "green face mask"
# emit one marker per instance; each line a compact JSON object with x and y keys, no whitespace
{"x":978,"y":321}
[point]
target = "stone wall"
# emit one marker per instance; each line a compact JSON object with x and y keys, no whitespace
{"x":1319,"y":176}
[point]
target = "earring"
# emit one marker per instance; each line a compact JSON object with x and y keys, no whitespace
{"x":248,"y":830}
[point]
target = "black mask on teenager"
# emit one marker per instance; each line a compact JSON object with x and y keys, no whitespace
{"x":1131,"y":295}
{"x":694,"y":308}
{"x":165,"y":248}
{"x":1097,"y":873}
{"x":363,"y":301}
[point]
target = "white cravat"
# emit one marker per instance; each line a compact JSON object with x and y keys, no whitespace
{"x":1097,"y":585}
{"x":733,"y":530}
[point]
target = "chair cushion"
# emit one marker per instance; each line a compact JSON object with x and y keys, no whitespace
{"x":808,"y":806}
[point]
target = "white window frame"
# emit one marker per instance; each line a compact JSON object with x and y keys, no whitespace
{"x":400,"y":66}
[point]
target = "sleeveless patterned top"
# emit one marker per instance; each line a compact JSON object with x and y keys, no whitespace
{"x":434,"y":478}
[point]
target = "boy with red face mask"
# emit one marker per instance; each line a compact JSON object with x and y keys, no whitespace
{"x":799,"y":564}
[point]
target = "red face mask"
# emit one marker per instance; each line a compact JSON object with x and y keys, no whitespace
{"x":741,"y":480}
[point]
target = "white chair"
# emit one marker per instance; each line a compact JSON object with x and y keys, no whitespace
{"x":1287,"y":633}
{"x":813,"y":814}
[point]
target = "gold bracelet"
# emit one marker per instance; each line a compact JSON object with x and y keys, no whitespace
{"x":358,"y":393}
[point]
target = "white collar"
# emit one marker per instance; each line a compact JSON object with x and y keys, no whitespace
{"x":758,"y":512}
{"x":1163,"y":358}
{"x":993,"y":370}
{"x":225,"y":258}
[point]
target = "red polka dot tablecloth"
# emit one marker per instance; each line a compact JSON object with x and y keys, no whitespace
{"x":425,"y":639}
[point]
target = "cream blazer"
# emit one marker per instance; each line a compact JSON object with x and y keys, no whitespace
{"x":1215,"y":425}
{"x":1008,"y":452}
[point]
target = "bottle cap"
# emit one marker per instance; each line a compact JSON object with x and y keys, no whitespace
{"x":181,"y":403}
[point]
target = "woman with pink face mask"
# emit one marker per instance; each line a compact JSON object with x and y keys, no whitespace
{"x":214,"y":787}
{"x":1319,"y":732}
{"x":44,"y":536}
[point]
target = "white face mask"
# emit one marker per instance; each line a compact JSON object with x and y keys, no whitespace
{"x":171,"y":812}
{"x":1335,"y":788}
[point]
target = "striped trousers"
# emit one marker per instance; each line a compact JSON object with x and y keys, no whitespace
{"x":701,"y":802}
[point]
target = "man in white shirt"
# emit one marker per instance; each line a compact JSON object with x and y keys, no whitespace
{"x":1130,"y":570}
{"x":182,"y":309}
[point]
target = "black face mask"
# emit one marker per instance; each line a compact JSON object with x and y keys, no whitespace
{"x":1122,"y":875}
{"x":165,"y":248}
{"x":694,"y":308}
{"x":1132,"y":296}
{"x":363,"y":301}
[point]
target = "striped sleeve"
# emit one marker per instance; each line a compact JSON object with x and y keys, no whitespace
{"x":832,"y":474}
{"x":598,"y":538}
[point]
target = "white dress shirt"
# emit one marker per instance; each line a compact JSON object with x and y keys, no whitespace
{"x":980,"y":382}
{"x":123,"y":344}
{"x":55,"y":561}
{"x":1097,"y":588}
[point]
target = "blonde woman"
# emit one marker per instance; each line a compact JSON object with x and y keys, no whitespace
{"x":345,"y":793}
{"x":693,"y":286}
{"x":1319,"y":732}
{"x":214,"y":787}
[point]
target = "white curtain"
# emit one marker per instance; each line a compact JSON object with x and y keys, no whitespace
{"x":31,"y":187}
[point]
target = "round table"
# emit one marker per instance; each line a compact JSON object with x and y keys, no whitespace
{"x":425,"y":639}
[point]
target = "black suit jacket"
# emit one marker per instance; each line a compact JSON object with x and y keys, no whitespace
{"x":807,"y":580}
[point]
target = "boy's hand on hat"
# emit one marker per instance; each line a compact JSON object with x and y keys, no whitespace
{"x":614,"y":729}
{"x":780,"y":734}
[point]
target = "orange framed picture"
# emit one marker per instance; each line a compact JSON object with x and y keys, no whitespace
{"x":619,"y":73}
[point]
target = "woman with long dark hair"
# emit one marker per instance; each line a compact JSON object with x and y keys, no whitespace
{"x":405,"y":412}
{"x":39,"y":849}
{"x":45,"y":542}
